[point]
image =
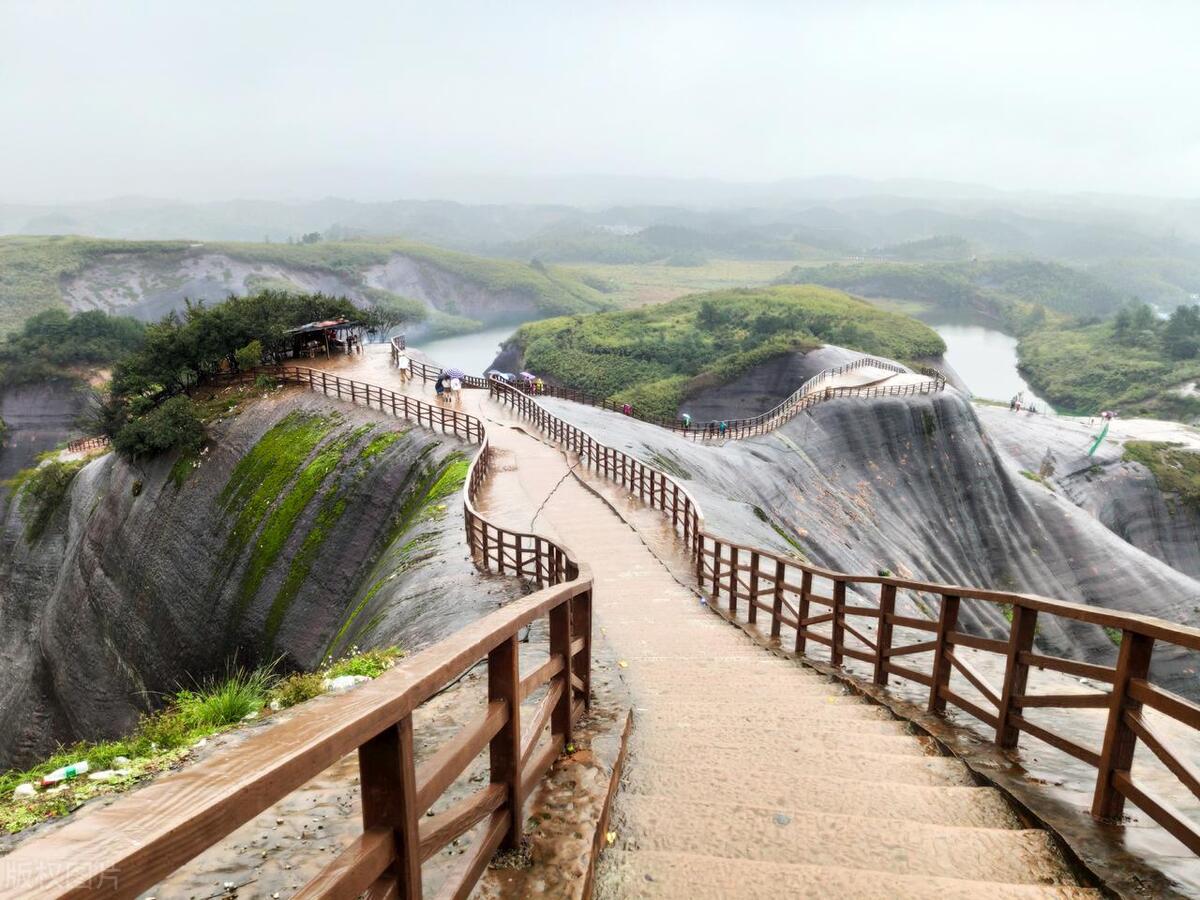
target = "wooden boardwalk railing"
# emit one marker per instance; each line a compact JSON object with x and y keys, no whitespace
{"x":126,"y":848}
{"x":430,"y":415}
{"x":95,"y":442}
{"x":809,"y":394}
{"x":807,"y":608}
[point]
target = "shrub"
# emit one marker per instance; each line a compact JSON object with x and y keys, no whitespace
{"x":297,"y":688}
{"x":45,"y":487}
{"x":250,"y":356}
{"x":173,"y":425}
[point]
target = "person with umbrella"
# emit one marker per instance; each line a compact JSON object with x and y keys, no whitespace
{"x":454,"y":379}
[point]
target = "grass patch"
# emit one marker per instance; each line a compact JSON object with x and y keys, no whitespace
{"x":44,"y":488}
{"x":1175,"y":470}
{"x":655,"y":357}
{"x":163,"y":739}
{"x":368,"y":663}
{"x":1039,"y":479}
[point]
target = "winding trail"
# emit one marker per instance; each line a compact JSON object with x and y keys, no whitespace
{"x":748,"y":775}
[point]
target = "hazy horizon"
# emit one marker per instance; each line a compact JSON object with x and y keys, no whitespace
{"x":386,"y":101}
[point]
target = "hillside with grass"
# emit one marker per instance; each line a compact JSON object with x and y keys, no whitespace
{"x":146,"y":279}
{"x":656,"y":356}
{"x":1018,"y":294}
{"x":1135,"y":363}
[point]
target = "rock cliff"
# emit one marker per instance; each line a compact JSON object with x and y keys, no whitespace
{"x":916,"y":486}
{"x":307,"y":527}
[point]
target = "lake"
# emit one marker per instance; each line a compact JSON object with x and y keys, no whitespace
{"x":473,"y":353}
{"x":987,"y":361}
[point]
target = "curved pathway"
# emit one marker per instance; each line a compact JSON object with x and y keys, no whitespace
{"x":748,"y":775}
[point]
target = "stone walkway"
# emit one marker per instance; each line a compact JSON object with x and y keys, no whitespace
{"x":747,"y":774}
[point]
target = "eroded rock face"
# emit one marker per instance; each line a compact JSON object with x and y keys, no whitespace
{"x":918,"y":487}
{"x":38,"y":417}
{"x":1123,"y":496}
{"x":265,"y":550}
{"x":148,"y":287}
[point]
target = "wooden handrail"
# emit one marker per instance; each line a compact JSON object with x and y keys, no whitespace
{"x":125,"y":848}
{"x":730,"y":572}
{"x":88,"y":443}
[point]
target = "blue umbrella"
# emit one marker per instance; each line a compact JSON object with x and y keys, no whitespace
{"x":453,"y":373}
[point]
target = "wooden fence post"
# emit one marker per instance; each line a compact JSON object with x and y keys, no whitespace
{"x":777,"y":599}
{"x":389,"y":796}
{"x":581,"y":621}
{"x":1016,"y":673}
{"x":1133,"y":661}
{"x":560,"y":645}
{"x":752,"y":612}
{"x":883,"y":636}
{"x":504,"y":683}
{"x":716,"y":571}
{"x":802,"y":610}
{"x":947,"y":620}
{"x":838,"y":631}
{"x":733,"y":579}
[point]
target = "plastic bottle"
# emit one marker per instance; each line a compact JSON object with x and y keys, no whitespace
{"x":65,"y":773}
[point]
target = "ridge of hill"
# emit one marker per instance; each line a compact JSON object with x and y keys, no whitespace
{"x":147,"y":279}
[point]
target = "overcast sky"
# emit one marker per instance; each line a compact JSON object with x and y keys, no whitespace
{"x":366,"y":98}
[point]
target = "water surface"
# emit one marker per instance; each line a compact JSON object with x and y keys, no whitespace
{"x":473,"y":353}
{"x":987,"y":361}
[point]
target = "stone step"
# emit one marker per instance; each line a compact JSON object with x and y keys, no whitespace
{"x":812,"y":790}
{"x":796,"y":713}
{"x":743,"y":831}
{"x":881,"y":768}
{"x":643,"y":875}
{"x":831,"y":718}
{"x":712,"y":734}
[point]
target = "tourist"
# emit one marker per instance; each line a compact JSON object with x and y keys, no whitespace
{"x":455,"y":390}
{"x":404,"y":367}
{"x":539,"y":386}
{"x":687,"y":421}
{"x":440,"y":387}
{"x":627,"y":409}
{"x":722,"y":428}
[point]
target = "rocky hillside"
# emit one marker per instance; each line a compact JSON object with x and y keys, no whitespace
{"x":919,"y":487}
{"x":147,"y":279}
{"x":306,"y":528}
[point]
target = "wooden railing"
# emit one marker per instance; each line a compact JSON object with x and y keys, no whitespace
{"x":808,"y":395}
{"x":430,"y":415}
{"x":808,"y":609}
{"x":126,"y":848}
{"x":88,"y":443}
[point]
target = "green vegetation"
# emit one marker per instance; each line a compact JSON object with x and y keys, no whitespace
{"x":44,"y":487}
{"x":426,"y":488}
{"x":164,"y":738}
{"x":32,"y":270}
{"x":1038,"y":479}
{"x":1134,"y":363}
{"x":53,"y":345}
{"x":1017,"y":292}
{"x":1175,"y":470}
{"x":367,"y":664}
{"x":655,"y":357}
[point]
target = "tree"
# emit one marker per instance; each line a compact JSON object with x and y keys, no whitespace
{"x":1122,"y":325}
{"x":174,"y":424}
{"x":1181,"y":335}
{"x":313,"y":237}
